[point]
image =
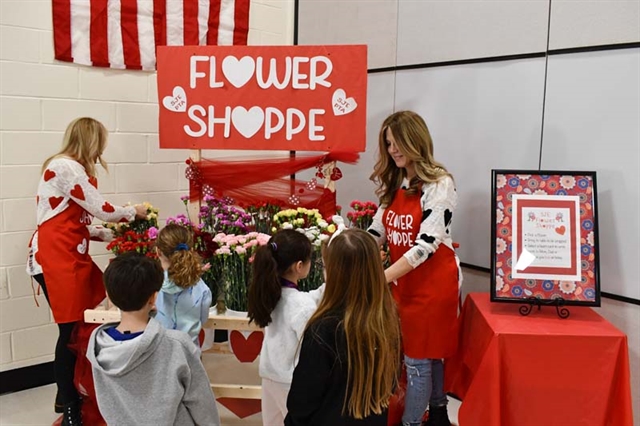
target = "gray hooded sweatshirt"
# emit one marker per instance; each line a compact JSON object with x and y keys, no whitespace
{"x":154,"y":379}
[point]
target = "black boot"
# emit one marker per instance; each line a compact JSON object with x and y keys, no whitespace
{"x":58,"y":406}
{"x":72,"y":415}
{"x":438,"y":416}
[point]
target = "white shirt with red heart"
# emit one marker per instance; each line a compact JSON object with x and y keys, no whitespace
{"x":65,"y":180}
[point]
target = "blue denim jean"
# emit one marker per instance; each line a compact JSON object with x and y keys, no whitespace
{"x":425,"y":386}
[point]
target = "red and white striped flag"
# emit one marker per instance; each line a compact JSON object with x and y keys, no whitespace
{"x":125,"y":33}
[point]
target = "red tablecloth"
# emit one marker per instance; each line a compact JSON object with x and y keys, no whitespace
{"x":539,"y":369}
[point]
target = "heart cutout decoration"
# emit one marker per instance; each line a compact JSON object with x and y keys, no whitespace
{"x":336,"y":174}
{"x":341,"y":104}
{"x":247,"y":122}
{"x":246,"y":349}
{"x":561,"y":230}
{"x":294,"y":200}
{"x":312,"y":184}
{"x":177,"y":101}
{"x":238,"y":71}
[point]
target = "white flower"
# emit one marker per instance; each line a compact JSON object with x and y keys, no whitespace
{"x":322,"y":224}
{"x":590,"y":239}
{"x":287,"y":225}
{"x":499,"y":216}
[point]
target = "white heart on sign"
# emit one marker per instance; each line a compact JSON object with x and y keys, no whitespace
{"x":82,"y":248}
{"x":341,"y":104}
{"x":238,"y":72}
{"x":247,"y":122}
{"x":177,"y":101}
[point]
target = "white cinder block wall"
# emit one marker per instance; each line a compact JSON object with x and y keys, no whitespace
{"x":38,"y":98}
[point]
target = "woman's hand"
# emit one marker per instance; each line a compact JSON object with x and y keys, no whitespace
{"x":141,"y":211}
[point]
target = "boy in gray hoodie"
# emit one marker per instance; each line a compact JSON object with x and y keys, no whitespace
{"x":143,"y":373}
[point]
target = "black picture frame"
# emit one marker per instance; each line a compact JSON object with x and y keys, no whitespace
{"x":551,"y":276}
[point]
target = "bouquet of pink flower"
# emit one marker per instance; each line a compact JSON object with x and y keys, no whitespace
{"x":232,"y":262}
{"x":362,"y":214}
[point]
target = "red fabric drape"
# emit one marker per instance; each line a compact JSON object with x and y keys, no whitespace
{"x":250,"y":181}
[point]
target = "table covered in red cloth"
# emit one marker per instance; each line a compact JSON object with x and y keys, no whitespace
{"x":538,"y":369}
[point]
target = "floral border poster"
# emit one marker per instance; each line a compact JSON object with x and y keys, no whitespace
{"x":545,"y":237}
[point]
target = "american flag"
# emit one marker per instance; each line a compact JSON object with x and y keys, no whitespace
{"x":125,"y":33}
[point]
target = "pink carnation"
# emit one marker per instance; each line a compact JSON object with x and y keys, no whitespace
{"x":152,"y":233}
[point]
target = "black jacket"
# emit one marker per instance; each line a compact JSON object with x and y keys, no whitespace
{"x":320,"y":380}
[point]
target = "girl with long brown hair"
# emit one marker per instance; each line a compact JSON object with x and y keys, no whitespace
{"x":418,"y":198}
{"x":184,"y":300}
{"x":67,"y":201}
{"x":350,"y":353}
{"x":275,"y":304}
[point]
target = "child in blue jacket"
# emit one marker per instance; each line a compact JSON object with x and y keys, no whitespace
{"x":184,"y":300}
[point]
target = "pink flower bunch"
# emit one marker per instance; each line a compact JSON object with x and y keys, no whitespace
{"x":233,"y":261}
{"x":239,"y":244}
{"x":180,"y":219}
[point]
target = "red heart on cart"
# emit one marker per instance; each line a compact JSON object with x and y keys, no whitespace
{"x":336,"y":174}
{"x":246,"y":349}
{"x":241,"y":407}
{"x":561,"y":230}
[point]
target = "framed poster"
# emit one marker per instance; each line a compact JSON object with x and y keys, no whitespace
{"x":544,"y":237}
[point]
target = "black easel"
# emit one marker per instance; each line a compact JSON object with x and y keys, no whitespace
{"x":558,"y":303}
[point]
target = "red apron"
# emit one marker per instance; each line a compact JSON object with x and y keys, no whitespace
{"x":427,"y":297}
{"x":74,"y":282}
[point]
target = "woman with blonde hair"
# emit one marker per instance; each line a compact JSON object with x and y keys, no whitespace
{"x":184,"y":300}
{"x":350,"y":352}
{"x":67,"y":201}
{"x":417,"y":197}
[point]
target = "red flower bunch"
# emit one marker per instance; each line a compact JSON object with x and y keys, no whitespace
{"x":133,"y":241}
{"x":362,"y":214}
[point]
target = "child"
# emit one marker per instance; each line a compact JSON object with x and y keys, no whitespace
{"x":275,"y":303}
{"x":59,"y":259}
{"x":143,"y":373}
{"x":184,"y":300}
{"x":350,"y":354}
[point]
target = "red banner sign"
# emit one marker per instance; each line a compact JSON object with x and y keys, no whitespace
{"x":306,"y":98}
